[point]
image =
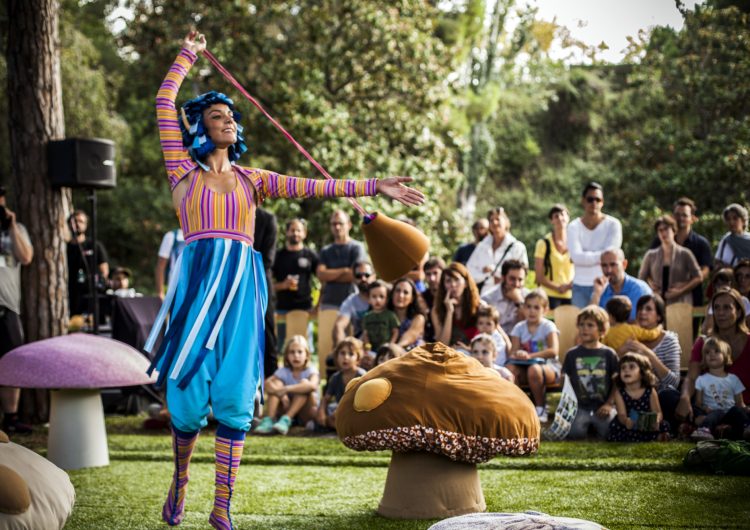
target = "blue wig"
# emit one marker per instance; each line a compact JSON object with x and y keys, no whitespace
{"x":194,"y":136}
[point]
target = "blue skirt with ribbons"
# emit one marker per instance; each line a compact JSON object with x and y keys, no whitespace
{"x":214,"y":340}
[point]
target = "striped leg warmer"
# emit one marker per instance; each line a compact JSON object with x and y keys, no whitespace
{"x":229,"y":445}
{"x":174,"y":506}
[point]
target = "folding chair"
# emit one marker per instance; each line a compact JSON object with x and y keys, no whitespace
{"x":565,"y":320}
{"x":680,"y":320}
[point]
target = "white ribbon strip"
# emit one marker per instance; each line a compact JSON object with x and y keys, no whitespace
{"x":174,"y":277}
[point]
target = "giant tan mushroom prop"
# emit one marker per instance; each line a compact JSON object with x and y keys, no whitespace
{"x":75,"y":367}
{"x":441,"y":413}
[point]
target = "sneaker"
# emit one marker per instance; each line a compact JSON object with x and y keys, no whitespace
{"x":282,"y":426}
{"x":701,"y":433}
{"x":542,"y":414}
{"x":265,"y":426}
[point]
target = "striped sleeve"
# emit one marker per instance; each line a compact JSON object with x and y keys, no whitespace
{"x":669,"y":352}
{"x":176,"y":157}
{"x":274,"y":185}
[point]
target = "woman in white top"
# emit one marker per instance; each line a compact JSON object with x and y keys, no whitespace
{"x":588,"y":236}
{"x":498,"y":246}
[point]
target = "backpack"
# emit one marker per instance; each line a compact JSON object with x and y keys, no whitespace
{"x":726,"y":457}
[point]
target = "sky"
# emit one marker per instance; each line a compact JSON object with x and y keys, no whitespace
{"x":611,"y":21}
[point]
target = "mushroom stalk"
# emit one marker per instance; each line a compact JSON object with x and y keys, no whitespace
{"x":429,"y":486}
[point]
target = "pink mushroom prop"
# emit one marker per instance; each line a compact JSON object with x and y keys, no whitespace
{"x":75,"y":367}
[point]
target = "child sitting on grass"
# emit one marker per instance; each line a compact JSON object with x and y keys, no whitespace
{"x":348,"y":353}
{"x":292,"y":390}
{"x":380,"y":324}
{"x":639,"y":417}
{"x":718,"y":395}
{"x":534,"y":349}
{"x":488,"y":321}
{"x":590,"y":367}
{"x":620,"y":331}
{"x":483,"y":350}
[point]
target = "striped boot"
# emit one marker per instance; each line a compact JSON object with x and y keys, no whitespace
{"x":229,"y":445}
{"x":174,"y":506}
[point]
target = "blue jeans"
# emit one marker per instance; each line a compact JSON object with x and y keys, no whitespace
{"x":582,"y":295}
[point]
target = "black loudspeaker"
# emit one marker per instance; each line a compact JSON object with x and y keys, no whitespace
{"x":82,"y":163}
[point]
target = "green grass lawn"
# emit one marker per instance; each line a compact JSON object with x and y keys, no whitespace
{"x":316,"y":482}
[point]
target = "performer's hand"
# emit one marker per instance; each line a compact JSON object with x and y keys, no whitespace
{"x":194,"y":41}
{"x":394,"y":188}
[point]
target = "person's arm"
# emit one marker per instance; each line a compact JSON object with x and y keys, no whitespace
{"x":693,"y":272}
{"x":699,"y":399}
{"x":614,"y":239}
{"x":306,"y":386}
{"x":577,"y":254}
{"x":23,"y":251}
{"x":414,"y":333}
{"x":684,"y":409}
{"x":656,"y":407}
{"x":738,"y":401}
{"x":176,"y":158}
{"x":339,"y":328}
{"x":606,"y":409}
{"x":320,"y":417}
{"x":394,"y":336}
{"x":644,"y":273}
{"x":552,"y":349}
{"x":515,"y":349}
{"x":282,"y":285}
{"x":339,"y":274}
{"x":622,"y":411}
{"x":600,"y":285}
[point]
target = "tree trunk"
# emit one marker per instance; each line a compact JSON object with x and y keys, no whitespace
{"x":36,"y":117}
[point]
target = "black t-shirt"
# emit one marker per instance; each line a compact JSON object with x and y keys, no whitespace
{"x":701,"y":249}
{"x":78,"y":286}
{"x":302,"y":263}
{"x":590,"y":373}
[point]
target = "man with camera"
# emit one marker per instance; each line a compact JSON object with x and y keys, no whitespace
{"x":15,"y":250}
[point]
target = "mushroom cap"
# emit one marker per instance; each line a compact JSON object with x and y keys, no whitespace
{"x":395,"y":247}
{"x":78,"y":360}
{"x":27,"y":476}
{"x":438,"y":400}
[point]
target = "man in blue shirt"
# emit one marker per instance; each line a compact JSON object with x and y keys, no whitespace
{"x":615,"y":281}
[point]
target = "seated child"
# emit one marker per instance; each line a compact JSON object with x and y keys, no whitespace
{"x":534,"y":349}
{"x":639,"y":417}
{"x":387,"y":352}
{"x":292,"y":390}
{"x":348,"y":353}
{"x":483,"y":350}
{"x":718,"y":394}
{"x":380,"y":324}
{"x":620,"y":331}
{"x":590,"y":367}
{"x":488,"y":321}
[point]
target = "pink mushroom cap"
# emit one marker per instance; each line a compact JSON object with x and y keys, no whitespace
{"x":78,"y":360}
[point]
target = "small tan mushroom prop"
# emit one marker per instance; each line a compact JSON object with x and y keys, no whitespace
{"x":34,"y":493}
{"x":441,"y":413}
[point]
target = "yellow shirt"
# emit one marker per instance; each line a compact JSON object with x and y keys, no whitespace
{"x":619,"y":334}
{"x":562,"y":268}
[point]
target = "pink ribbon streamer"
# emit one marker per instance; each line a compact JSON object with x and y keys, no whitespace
{"x":276,"y":124}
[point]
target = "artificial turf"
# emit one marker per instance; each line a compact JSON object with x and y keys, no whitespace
{"x":316,"y":482}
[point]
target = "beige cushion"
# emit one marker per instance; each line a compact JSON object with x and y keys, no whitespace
{"x":52,"y":494}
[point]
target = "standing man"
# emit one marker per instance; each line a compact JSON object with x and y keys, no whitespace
{"x":685,"y":214}
{"x":479,"y":229}
{"x":170,"y":249}
{"x":588,"y":236}
{"x":336,"y":262}
{"x":264,"y":241}
{"x":15,"y":251}
{"x":81,"y":264}
{"x":615,"y":281}
{"x":293,"y":270}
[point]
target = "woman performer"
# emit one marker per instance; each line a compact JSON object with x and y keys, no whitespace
{"x":212,"y":351}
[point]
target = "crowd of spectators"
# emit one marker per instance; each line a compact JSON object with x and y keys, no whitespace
{"x":625,"y":366}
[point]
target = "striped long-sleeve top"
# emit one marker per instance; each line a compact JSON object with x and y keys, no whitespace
{"x":206,"y":213}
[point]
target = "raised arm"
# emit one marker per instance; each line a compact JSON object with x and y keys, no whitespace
{"x":176,"y":158}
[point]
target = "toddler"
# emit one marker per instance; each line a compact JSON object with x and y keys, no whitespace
{"x":348,"y":353}
{"x":483,"y":350}
{"x":387,"y":352}
{"x":718,"y":394}
{"x":620,"y":331}
{"x":590,"y":367}
{"x":292,"y":390}
{"x":639,"y":417}
{"x":488,"y":321}
{"x":380,"y":324}
{"x":534,"y":350}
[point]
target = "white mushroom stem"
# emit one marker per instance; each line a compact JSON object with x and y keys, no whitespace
{"x":429,"y":486}
{"x":77,"y":435}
